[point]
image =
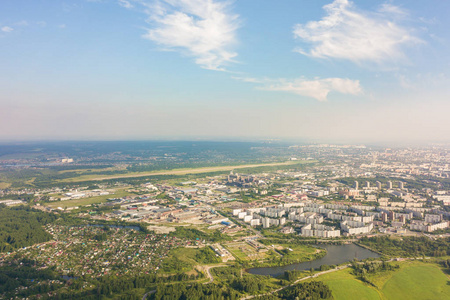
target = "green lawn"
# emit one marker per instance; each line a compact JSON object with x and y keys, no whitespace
{"x":346,"y":287}
{"x":299,"y":252}
{"x":414,"y":280}
{"x":418,"y":281}
{"x":183,"y":260}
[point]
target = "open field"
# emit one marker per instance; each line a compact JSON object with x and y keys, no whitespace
{"x":4,"y":185}
{"x":244,"y":251}
{"x":178,"y":171}
{"x":299,"y":252}
{"x":184,"y":259}
{"x":418,"y":281}
{"x":87,"y":201}
{"x":414,"y":280}
{"x":345,"y":286}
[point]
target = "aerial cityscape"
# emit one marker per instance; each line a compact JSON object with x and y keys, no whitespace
{"x":224,"y":149}
{"x":138,"y":219}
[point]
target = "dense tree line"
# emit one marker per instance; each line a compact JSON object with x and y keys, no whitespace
{"x":307,"y":291}
{"x":408,"y":246}
{"x":193,"y":292}
{"x":117,"y":288}
{"x":292,"y":275}
{"x":446,"y":263}
{"x":241,"y":282}
{"x":362,"y":270}
{"x":22,"y":226}
{"x":195,"y":234}
{"x":226,"y":274}
{"x":249,"y":284}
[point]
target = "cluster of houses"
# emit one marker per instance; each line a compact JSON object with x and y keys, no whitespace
{"x":314,"y":219}
{"x":124,"y":251}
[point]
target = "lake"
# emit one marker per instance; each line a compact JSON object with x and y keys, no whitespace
{"x":336,"y":254}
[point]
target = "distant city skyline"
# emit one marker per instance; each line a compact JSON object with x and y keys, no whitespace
{"x":322,"y":71}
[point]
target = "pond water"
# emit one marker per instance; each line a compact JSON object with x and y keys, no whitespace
{"x":336,"y":254}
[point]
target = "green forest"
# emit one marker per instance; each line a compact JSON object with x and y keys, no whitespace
{"x":22,"y":226}
{"x":408,"y":246}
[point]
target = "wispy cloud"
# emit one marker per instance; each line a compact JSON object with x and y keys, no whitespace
{"x":203,"y":29}
{"x":352,"y":34}
{"x":7,"y":29}
{"x":22,"y":23}
{"x":125,"y":3}
{"x":314,"y":88}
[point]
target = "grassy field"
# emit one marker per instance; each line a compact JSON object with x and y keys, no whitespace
{"x":414,"y":280}
{"x":4,"y":185}
{"x":87,"y":201}
{"x":418,"y":281}
{"x":346,"y":287}
{"x":177,"y":171}
{"x":299,"y":252}
{"x":182,"y":260}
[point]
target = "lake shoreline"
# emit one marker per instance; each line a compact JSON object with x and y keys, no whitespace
{"x":335,"y":255}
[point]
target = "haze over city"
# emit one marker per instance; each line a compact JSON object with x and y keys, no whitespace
{"x":357,"y":71}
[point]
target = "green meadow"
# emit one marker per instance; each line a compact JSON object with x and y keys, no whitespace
{"x":413,"y":281}
{"x":418,"y":281}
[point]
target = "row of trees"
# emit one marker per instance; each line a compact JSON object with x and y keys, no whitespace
{"x":195,"y":234}
{"x":307,"y":291}
{"x":408,"y":246}
{"x":372,"y":267}
{"x":129,"y":288}
{"x":249,"y":284}
{"x":194,"y":292}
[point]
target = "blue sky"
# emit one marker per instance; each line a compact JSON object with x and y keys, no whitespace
{"x":341,"y":71}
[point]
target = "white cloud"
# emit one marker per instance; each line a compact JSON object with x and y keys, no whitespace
{"x":203,"y":29}
{"x":316,"y":88}
{"x":355,"y":35}
{"x":250,"y":79}
{"x":125,"y":3}
{"x":7,"y":29}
